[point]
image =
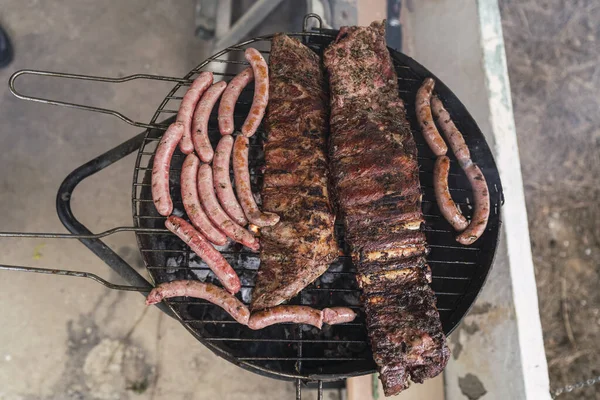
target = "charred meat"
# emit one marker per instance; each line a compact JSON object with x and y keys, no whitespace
{"x":373,"y":159}
{"x":299,"y":248}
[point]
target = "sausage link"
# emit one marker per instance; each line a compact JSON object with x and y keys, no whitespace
{"x":187,"y":107}
{"x":338,"y":315}
{"x":191,"y":201}
{"x":201,"y":290}
{"x":230,"y":97}
{"x":451,"y":133}
{"x":447,"y":206}
{"x":161,"y":194}
{"x":478,"y":184}
{"x":482,"y":206}
{"x":222,"y":181}
{"x":243,"y":188}
{"x":282,"y":314}
{"x":202,"y":247}
{"x":423,"y":110}
{"x":216,"y":213}
{"x":260,"y":69}
{"x":201,"y":118}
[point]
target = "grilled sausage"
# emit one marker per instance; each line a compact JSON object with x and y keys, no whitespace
{"x":187,"y":107}
{"x":191,"y":201}
{"x":200,"y":121}
{"x":202,"y":247}
{"x":216,"y":213}
{"x":281,"y":314}
{"x":243,"y":188}
{"x":423,"y":110}
{"x":160,"y":168}
{"x":338,"y":315}
{"x":230,"y":97}
{"x":201,"y":290}
{"x":223,"y":181}
{"x":261,"y":91}
{"x":478,"y":184}
{"x":447,"y":206}
{"x":451,"y":133}
{"x":482,"y":206}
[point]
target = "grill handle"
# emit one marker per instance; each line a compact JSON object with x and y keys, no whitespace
{"x":90,"y":240}
{"x":68,"y":219}
{"x":79,"y":274}
{"x":14,"y":91}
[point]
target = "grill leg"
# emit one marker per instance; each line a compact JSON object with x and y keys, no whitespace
{"x":298,"y":389}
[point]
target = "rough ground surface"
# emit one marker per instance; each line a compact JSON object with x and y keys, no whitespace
{"x":553,"y":50}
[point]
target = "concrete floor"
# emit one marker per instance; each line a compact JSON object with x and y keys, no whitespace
{"x":69,"y":338}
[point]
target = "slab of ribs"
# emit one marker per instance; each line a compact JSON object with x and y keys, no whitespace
{"x":301,"y":246}
{"x":374,"y":171}
{"x":372,"y":161}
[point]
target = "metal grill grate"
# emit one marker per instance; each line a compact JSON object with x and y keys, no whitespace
{"x":298,"y":351}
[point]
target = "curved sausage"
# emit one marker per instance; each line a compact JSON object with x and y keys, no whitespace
{"x":230,"y":97}
{"x":463,"y":155}
{"x":201,"y":290}
{"x":160,"y":168}
{"x":202,"y":247}
{"x":451,"y":133}
{"x":222,"y":181}
{"x":201,"y":118}
{"x":447,"y":206}
{"x":216,"y":213}
{"x":338,"y":315}
{"x":482,"y":206}
{"x":187,"y":107}
{"x":191,"y":201}
{"x":281,"y":314}
{"x":423,"y":110}
{"x":243,"y":188}
{"x":260,"y":69}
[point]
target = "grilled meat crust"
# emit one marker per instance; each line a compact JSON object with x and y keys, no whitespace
{"x":301,"y":246}
{"x":405,"y":331}
{"x":375,"y":177}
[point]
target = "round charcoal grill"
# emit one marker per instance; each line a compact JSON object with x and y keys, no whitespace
{"x":300,"y":351}
{"x":287,"y":351}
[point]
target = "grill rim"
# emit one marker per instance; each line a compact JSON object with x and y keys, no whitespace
{"x":466,"y":299}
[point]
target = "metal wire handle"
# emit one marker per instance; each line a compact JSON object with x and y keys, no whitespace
{"x":79,"y":274}
{"x":307,"y":18}
{"x":13,"y":89}
{"x":121,"y":116}
{"x":52,"y":235}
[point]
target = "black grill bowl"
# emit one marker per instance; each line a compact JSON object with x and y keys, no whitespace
{"x":298,"y":351}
